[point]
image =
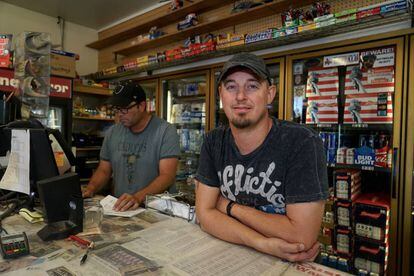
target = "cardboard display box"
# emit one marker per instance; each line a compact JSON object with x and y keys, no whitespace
{"x":63,"y":64}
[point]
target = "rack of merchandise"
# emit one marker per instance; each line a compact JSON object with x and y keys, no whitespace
{"x":134,"y":27}
{"x":352,"y":96}
{"x":91,"y":117}
{"x":278,"y":29}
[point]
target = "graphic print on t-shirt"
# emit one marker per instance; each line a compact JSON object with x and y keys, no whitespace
{"x":130,"y":153}
{"x":251,"y":187}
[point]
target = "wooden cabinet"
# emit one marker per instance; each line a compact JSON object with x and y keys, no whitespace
{"x":90,"y":120}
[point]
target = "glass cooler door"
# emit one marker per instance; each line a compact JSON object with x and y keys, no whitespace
{"x":352,"y":97}
{"x":184,"y":104}
{"x":276,"y":68}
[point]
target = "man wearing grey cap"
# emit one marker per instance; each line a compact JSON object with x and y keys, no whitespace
{"x":261,"y":182}
{"x":141,"y":152}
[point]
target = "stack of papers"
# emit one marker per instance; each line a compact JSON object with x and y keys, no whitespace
{"x":108,"y":204}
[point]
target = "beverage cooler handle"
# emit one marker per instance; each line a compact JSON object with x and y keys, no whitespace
{"x":394,"y":174}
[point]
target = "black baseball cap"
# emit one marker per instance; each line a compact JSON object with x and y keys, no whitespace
{"x":126,"y":93}
{"x":247,"y":60}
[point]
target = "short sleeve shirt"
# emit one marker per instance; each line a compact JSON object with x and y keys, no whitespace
{"x":135,"y":157}
{"x":288,"y":167}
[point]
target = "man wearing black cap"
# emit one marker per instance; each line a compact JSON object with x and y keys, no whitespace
{"x":262,"y":182}
{"x":141,"y":152}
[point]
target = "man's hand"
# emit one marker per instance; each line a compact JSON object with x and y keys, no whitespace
{"x":87,"y":193}
{"x":126,"y":202}
{"x":292,"y":252}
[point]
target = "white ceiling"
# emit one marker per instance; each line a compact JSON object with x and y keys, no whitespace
{"x":95,"y":14}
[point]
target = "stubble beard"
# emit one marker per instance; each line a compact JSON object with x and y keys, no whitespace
{"x":241,"y":122}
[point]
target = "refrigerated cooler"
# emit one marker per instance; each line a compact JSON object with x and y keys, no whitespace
{"x":352,"y":96}
{"x":184,"y":103}
{"x":276,"y":69}
{"x":60,"y":107}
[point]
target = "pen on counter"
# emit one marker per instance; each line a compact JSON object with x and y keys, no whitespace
{"x":85,"y":256}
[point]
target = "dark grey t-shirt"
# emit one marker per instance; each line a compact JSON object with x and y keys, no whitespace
{"x":289,"y":167}
{"x":135,"y":157}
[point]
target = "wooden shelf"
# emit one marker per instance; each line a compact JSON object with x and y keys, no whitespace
{"x":339,"y":28}
{"x":94,"y":118}
{"x":168,"y":18}
{"x":268,"y":9}
{"x":94,"y":90}
{"x":88,"y":149}
{"x":192,"y":98}
{"x":360,"y":167}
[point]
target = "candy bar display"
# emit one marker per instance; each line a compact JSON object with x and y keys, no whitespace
{"x":32,"y":69}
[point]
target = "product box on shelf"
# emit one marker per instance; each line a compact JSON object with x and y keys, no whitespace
{"x":326,"y":23}
{"x":229,"y":40}
{"x":368,"y":12}
{"x":347,"y":184}
{"x":399,"y":5}
{"x":323,"y":18}
{"x":345,"y":13}
{"x":63,"y":64}
{"x":130,"y":65}
{"x":142,"y":61}
{"x":344,"y":240}
{"x":343,"y":213}
{"x":370,"y":256}
{"x":174,"y":54}
{"x":372,"y":217}
{"x":260,"y":36}
{"x":306,"y":27}
{"x":5,"y":51}
{"x":276,"y":33}
{"x":346,"y":18}
{"x":152,"y":59}
{"x":110,"y":71}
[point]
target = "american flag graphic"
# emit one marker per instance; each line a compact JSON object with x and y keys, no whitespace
{"x":375,"y":80}
{"x":322,"y":110}
{"x":368,"y":108}
{"x":322,"y":82}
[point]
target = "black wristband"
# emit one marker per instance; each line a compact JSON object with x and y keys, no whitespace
{"x":228,"y":209}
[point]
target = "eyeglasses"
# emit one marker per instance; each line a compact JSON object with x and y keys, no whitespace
{"x":123,"y":110}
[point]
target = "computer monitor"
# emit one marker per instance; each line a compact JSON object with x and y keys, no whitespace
{"x":42,"y":159}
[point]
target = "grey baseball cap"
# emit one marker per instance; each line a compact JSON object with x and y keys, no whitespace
{"x":126,"y":93}
{"x":247,"y":60}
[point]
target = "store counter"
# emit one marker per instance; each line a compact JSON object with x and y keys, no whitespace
{"x":149,"y":243}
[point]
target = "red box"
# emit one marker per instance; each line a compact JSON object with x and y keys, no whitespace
{"x":369,"y":12}
{"x":372,"y":217}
